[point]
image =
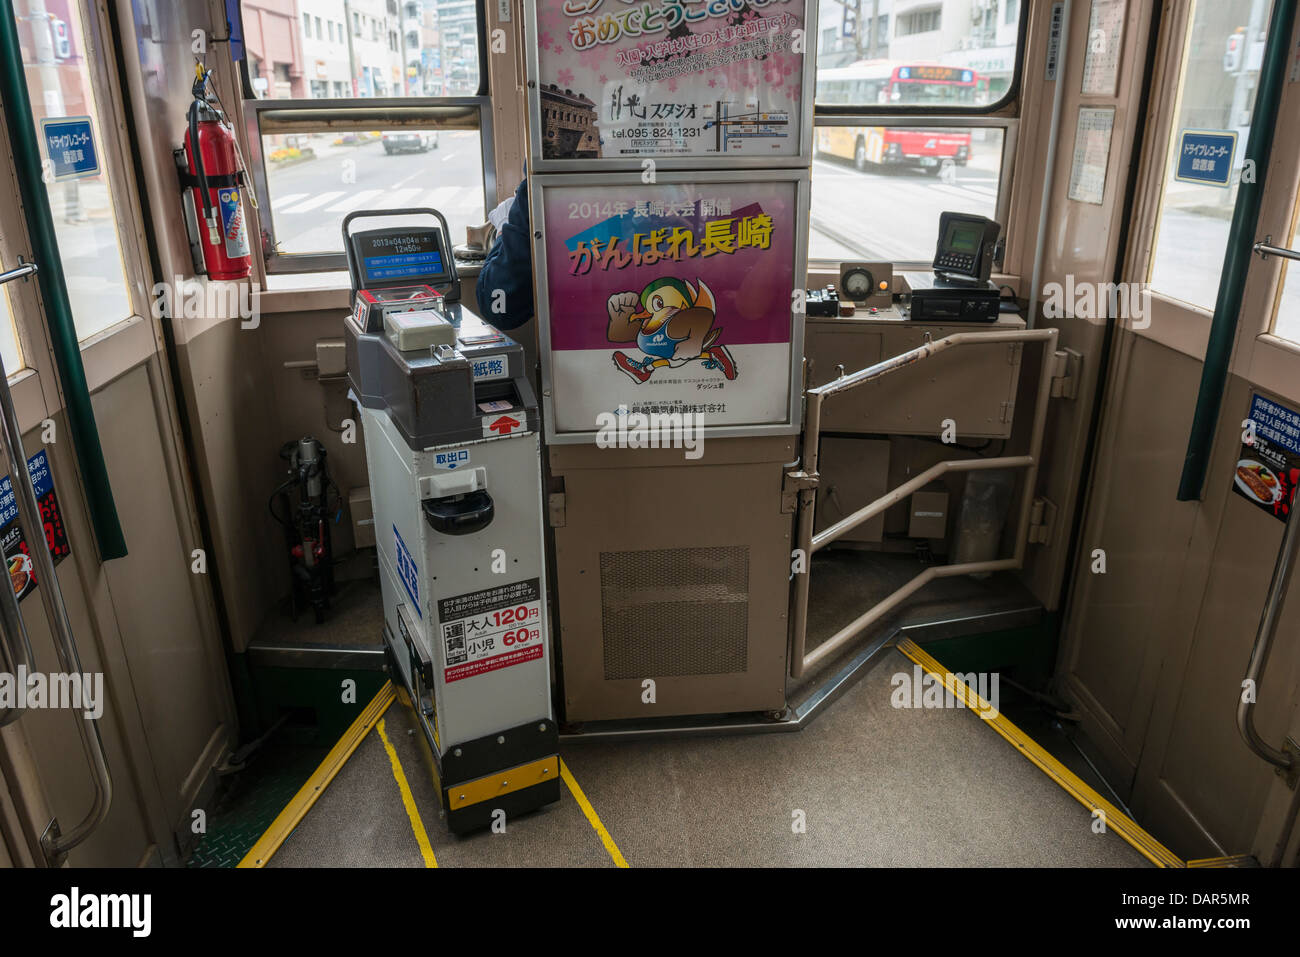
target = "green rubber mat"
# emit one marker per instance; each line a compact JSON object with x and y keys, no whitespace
{"x":247,"y":802}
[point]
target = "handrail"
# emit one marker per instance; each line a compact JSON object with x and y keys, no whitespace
{"x":800,"y":660}
{"x":58,"y":312}
{"x":1286,"y":761}
{"x":1266,"y":249}
{"x":53,"y":842}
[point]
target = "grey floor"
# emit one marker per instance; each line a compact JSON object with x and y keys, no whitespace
{"x":877,"y":786}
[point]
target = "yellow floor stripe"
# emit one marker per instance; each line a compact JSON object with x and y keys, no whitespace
{"x":592,"y":817}
{"x":308,"y":794}
{"x":1231,"y":860}
{"x":408,"y":800}
{"x":1116,"y":820}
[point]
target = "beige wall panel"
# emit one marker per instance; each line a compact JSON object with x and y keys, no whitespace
{"x":171,"y":666}
{"x":1120,"y":619}
{"x":235,"y":441}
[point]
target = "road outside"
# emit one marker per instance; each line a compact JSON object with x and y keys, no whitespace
{"x":310,"y":197}
{"x":892,"y":214}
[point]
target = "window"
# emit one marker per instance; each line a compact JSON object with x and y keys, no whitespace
{"x":884,"y":165}
{"x":867,"y":176}
{"x":920,"y":21}
{"x":329,"y":28}
{"x":79,"y":191}
{"x":1010,"y":11}
{"x":319,"y":34}
{"x":971,"y":67}
{"x":394,"y":168}
{"x":306,"y":24}
{"x":1220,"y":74}
{"x":314,"y":161}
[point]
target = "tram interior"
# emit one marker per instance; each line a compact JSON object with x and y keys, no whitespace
{"x":984,"y":539}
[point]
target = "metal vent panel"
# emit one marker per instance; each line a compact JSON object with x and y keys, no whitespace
{"x":675,"y":611}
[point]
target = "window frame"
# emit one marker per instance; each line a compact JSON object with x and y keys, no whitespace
{"x":356,"y":114}
{"x":1009,"y":125}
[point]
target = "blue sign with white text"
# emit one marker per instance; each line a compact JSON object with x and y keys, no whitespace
{"x":70,"y":146}
{"x":408,"y":572}
{"x":1205,"y":156}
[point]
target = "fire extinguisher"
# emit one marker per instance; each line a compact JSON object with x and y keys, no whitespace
{"x":212,"y":178}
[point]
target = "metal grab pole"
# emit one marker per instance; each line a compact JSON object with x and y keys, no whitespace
{"x":1286,"y":561}
{"x":54,"y":843}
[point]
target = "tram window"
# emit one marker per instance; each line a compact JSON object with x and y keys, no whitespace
{"x":877,"y":191}
{"x":941,"y":54}
{"x":1220,"y":74}
{"x":394,"y":49}
{"x":77,"y":181}
{"x":315,"y":179}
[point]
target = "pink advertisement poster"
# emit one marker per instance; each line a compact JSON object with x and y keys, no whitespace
{"x":670,"y":298}
{"x":670,"y":78}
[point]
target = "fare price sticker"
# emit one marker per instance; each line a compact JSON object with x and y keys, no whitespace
{"x":491,"y":629}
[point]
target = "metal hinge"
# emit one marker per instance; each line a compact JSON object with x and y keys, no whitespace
{"x":792,"y":485}
{"x":555,"y":509}
{"x":1042,"y":520}
{"x":1066,"y":368}
{"x":1007,"y":411}
{"x":1013,"y":353}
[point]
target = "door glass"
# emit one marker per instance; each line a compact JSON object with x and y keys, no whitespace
{"x":1225,"y":48}
{"x":75,"y":158}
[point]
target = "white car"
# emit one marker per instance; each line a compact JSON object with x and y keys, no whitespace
{"x":409,"y":141}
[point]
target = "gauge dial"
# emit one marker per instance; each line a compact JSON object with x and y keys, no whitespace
{"x":857,"y":284}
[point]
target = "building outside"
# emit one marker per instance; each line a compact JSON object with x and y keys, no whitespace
{"x":273,"y":39}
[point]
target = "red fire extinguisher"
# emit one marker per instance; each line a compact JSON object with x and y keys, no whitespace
{"x":213,"y":178}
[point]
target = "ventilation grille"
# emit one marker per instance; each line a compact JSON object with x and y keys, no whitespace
{"x":675,"y":611}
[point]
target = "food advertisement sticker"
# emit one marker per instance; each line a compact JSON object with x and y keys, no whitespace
{"x":1268,"y":466}
{"x":14,"y":543}
{"x":670,"y":299}
{"x":622,"y":80}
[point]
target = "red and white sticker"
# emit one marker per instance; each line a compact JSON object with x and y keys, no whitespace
{"x":505,"y":424}
{"x":485,"y":631}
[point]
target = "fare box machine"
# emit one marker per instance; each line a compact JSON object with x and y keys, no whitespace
{"x":453,"y":449}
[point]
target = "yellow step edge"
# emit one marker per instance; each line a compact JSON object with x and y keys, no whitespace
{"x":1116,"y":820}
{"x":502,"y":782}
{"x":307,"y":795}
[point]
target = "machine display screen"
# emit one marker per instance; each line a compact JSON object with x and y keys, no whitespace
{"x":392,"y":256}
{"x":963,"y":238}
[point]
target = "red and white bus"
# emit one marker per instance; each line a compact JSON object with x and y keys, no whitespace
{"x":885,"y":83}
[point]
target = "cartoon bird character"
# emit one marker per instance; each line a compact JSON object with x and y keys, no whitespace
{"x":672,"y":323}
